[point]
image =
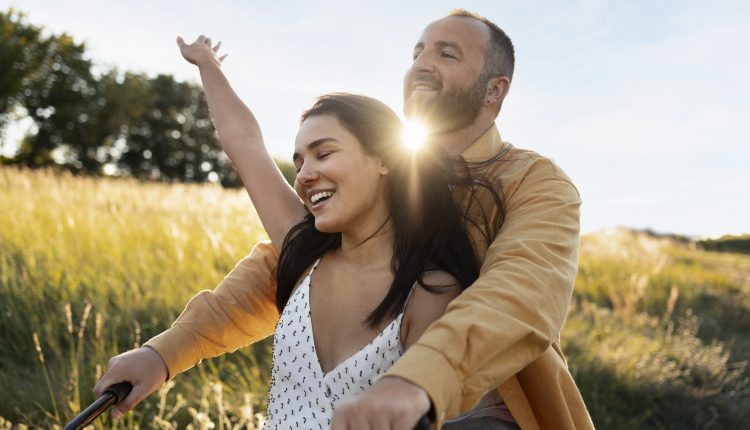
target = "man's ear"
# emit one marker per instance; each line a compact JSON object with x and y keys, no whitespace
{"x":497,"y":89}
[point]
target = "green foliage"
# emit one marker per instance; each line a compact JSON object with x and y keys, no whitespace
{"x":123,"y":124}
{"x":170,"y":136}
{"x":22,"y":55}
{"x":739,"y":244}
{"x":287,"y":170}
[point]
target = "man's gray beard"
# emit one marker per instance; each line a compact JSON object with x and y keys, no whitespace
{"x":450,"y":110}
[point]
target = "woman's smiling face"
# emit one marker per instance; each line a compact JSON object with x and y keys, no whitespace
{"x":342,"y":185}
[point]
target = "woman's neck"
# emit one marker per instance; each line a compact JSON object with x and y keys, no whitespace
{"x":373,"y":249}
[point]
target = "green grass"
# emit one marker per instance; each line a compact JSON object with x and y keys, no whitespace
{"x":656,"y":336}
{"x":92,"y":267}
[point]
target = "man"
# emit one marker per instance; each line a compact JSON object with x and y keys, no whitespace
{"x":501,"y":336}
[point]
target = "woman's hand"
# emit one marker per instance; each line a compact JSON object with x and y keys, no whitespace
{"x":142,"y":367}
{"x":201,"y":52}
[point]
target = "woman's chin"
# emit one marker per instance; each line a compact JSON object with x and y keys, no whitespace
{"x":325,"y":227}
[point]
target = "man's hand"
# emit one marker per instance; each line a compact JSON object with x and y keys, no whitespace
{"x":201,"y":52}
{"x":142,"y":367}
{"x":391,"y":404}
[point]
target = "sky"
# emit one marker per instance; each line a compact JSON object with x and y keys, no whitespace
{"x":644,"y":104}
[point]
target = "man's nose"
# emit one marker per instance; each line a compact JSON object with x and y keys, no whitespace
{"x":422,"y":63}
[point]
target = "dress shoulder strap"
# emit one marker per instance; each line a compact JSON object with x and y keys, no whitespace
{"x":403,"y":310}
{"x":313,"y":267}
{"x":406,"y":303}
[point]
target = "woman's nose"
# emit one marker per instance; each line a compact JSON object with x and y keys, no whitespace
{"x":306,"y":175}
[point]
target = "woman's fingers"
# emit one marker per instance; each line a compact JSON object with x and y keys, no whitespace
{"x":201,"y":51}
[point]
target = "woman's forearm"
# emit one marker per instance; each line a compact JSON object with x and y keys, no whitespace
{"x":275,"y":201}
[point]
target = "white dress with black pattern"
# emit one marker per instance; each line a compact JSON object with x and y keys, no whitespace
{"x":301,"y":396}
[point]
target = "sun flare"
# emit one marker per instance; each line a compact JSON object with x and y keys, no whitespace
{"x":415,"y":134}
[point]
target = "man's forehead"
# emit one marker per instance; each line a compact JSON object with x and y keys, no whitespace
{"x":458,"y":30}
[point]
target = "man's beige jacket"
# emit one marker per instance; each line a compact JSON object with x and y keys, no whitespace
{"x":500,"y":333}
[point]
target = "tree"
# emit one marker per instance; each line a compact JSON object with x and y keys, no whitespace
{"x":21,"y":57}
{"x":121,"y":123}
{"x":171,"y":137}
{"x":51,"y":79}
{"x":59,"y":100}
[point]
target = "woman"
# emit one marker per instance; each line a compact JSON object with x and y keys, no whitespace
{"x":364,"y":248}
{"x":378,"y":236}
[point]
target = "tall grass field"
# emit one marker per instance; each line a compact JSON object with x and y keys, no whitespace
{"x":657,"y":335}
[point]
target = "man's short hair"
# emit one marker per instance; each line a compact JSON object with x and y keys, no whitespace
{"x":499,"y":57}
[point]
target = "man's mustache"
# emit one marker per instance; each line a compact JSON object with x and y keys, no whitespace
{"x":425,"y":79}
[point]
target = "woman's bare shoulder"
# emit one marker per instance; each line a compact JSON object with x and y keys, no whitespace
{"x":427,"y":303}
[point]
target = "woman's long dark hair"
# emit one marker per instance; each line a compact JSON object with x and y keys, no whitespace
{"x":428,"y":228}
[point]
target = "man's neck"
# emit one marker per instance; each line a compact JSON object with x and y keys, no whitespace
{"x":456,"y":142}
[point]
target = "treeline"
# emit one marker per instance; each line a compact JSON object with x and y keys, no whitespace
{"x":102,"y":122}
{"x":729,"y":243}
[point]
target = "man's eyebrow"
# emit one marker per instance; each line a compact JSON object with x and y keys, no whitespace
{"x":452,"y":45}
{"x":441,"y":44}
{"x":314,"y":144}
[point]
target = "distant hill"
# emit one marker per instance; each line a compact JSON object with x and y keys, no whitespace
{"x":729,"y":243}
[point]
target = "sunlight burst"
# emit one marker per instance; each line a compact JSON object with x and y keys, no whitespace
{"x":415,"y":134}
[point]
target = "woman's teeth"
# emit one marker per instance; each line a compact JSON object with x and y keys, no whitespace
{"x":315,"y":198}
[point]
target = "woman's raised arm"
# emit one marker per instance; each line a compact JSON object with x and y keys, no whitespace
{"x":277,"y":204}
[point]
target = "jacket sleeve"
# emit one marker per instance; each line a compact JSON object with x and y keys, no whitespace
{"x":241,"y":310}
{"x":515,"y":309}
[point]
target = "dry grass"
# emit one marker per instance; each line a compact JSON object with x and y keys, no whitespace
{"x":656,"y":336}
{"x":92,"y":267}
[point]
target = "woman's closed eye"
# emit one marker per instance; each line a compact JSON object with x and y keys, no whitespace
{"x":324,"y":154}
{"x":320,"y":156}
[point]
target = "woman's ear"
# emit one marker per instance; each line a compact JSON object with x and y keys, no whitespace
{"x":382,"y":168}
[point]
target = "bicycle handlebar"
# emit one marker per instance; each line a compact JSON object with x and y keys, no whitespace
{"x":110,"y":397}
{"x":116,"y":393}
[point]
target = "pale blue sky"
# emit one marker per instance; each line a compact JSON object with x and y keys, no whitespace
{"x":642,"y":103}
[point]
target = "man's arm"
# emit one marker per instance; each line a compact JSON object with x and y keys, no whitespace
{"x":516,"y":308}
{"x":241,"y":310}
{"x":504,"y":321}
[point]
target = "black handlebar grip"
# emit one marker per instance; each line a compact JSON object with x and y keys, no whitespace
{"x":120,"y":391}
{"x":113,"y":395}
{"x":423,"y":424}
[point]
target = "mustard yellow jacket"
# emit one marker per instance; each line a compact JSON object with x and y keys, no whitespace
{"x":501,"y":333}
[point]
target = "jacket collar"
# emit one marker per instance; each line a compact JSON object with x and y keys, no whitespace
{"x":488,"y":145}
